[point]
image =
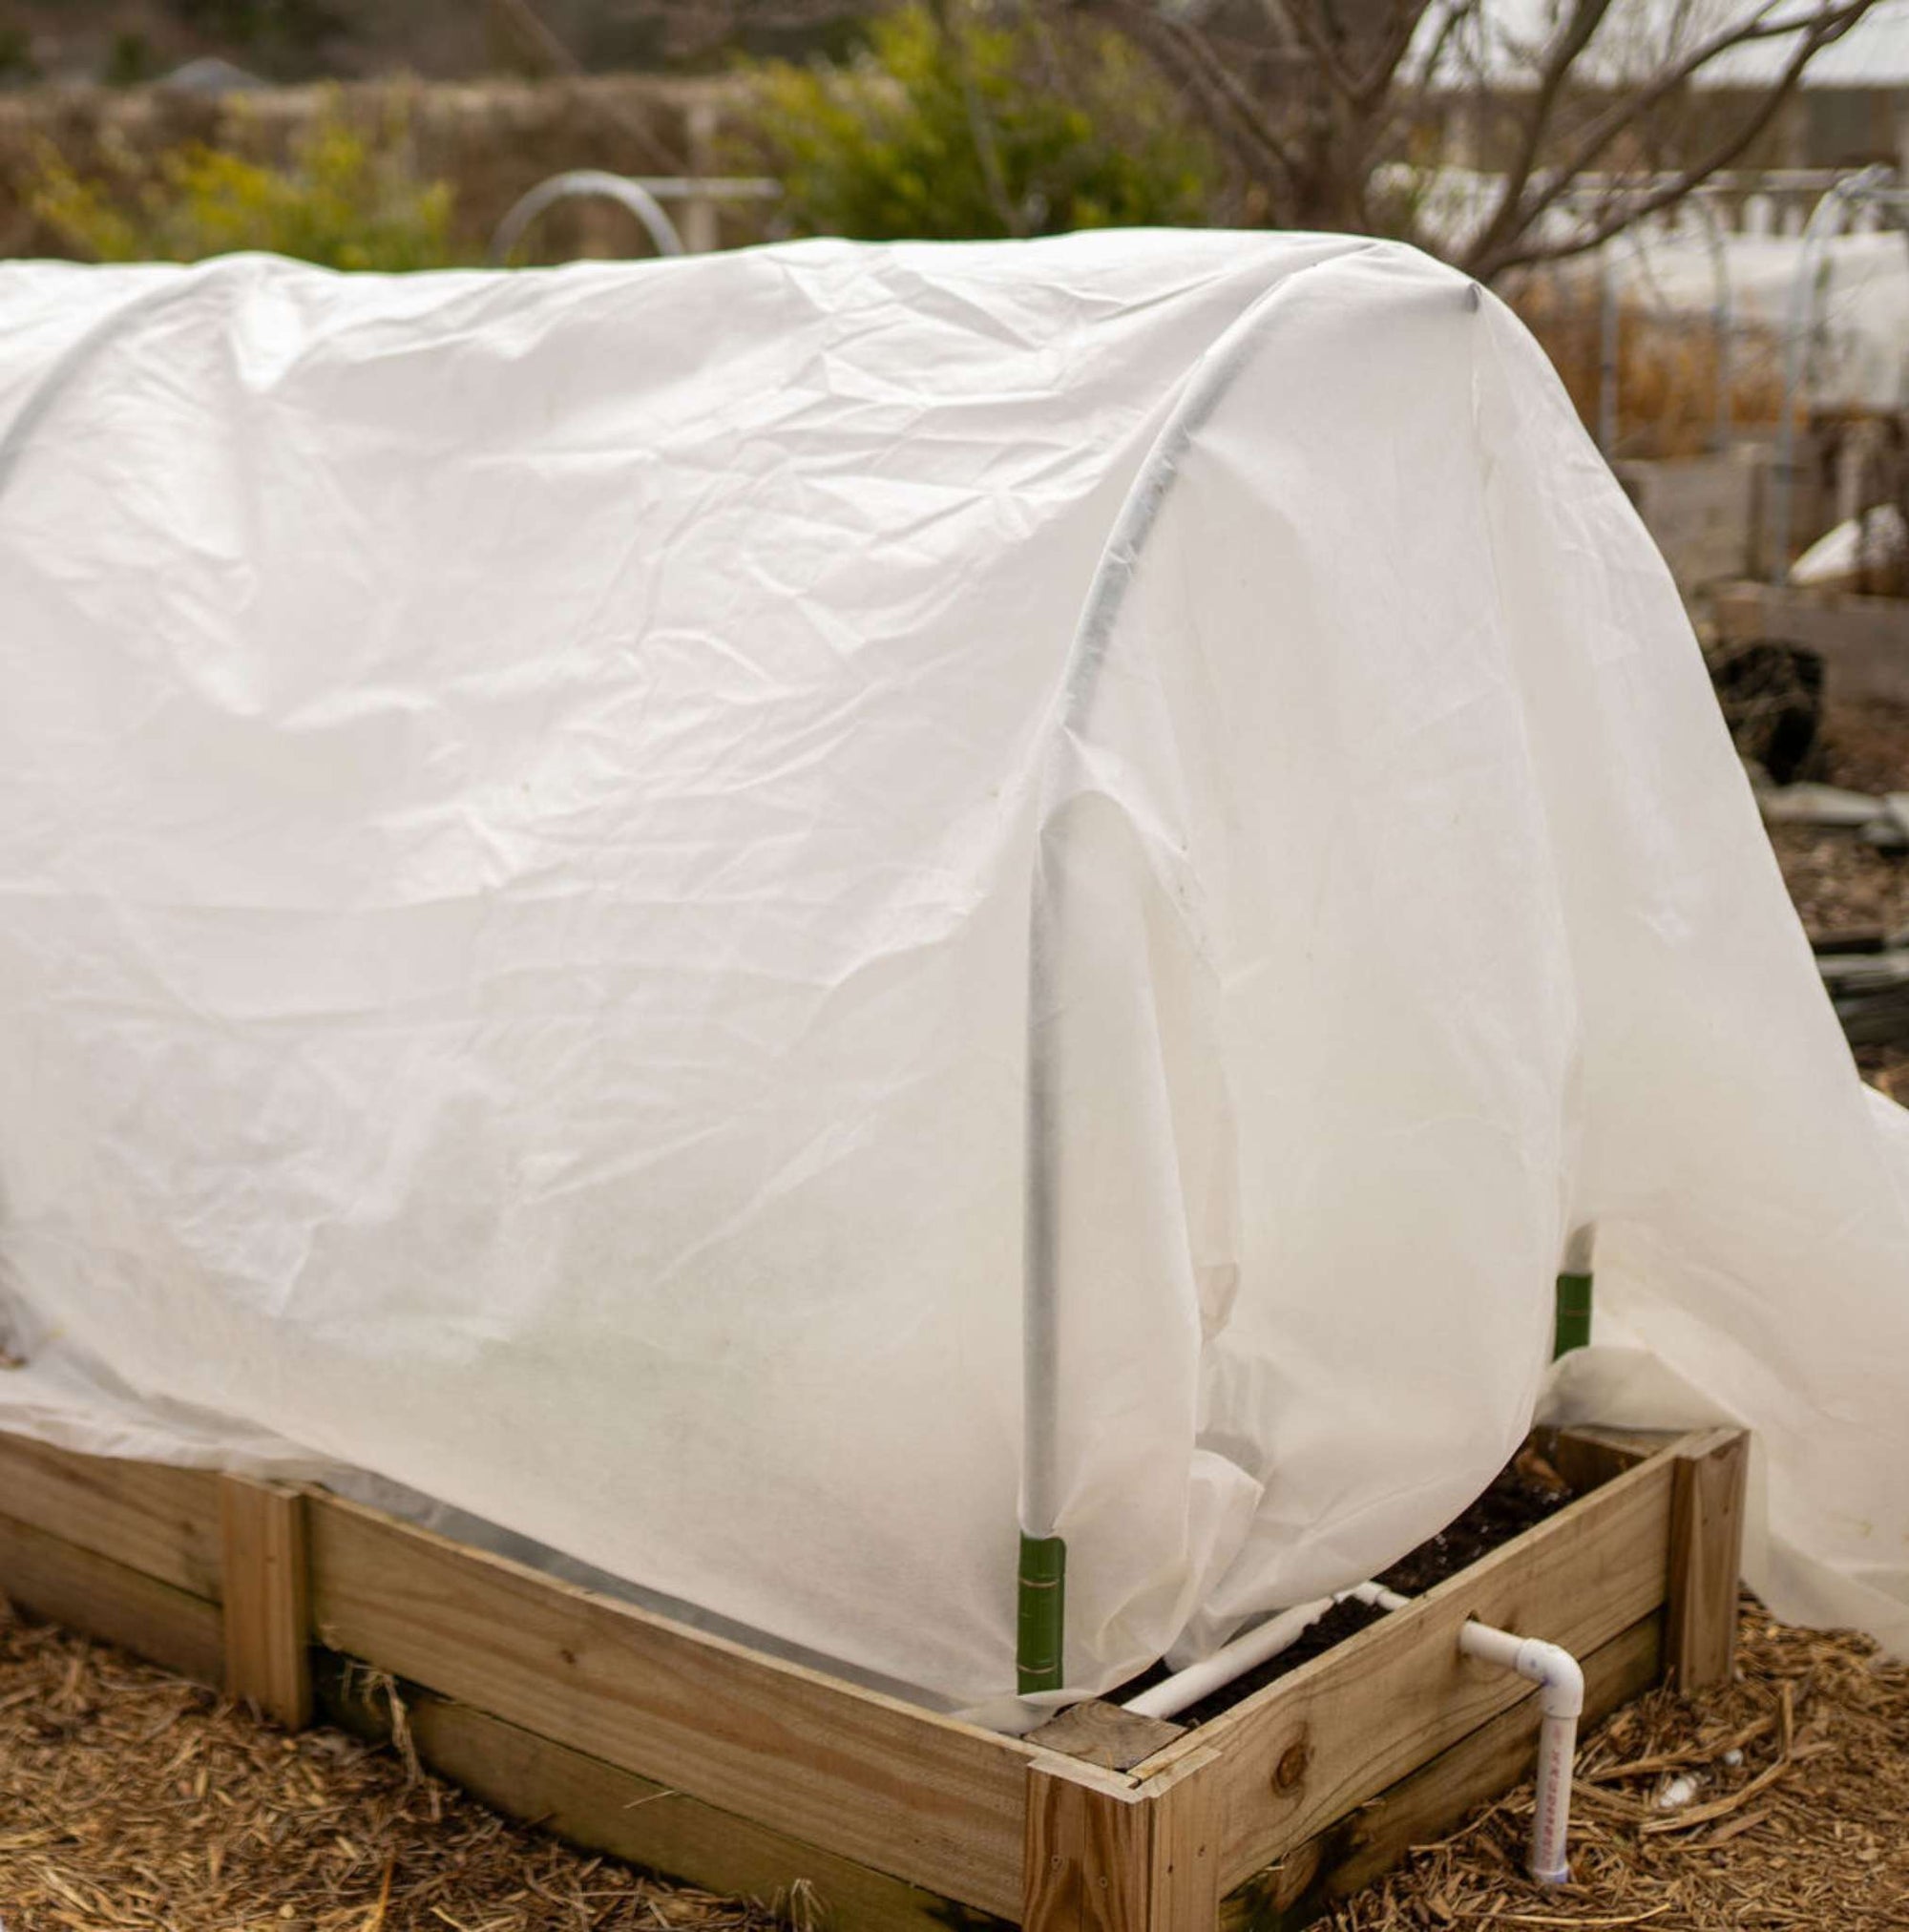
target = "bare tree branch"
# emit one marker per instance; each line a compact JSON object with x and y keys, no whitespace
{"x":1629,"y":210}
{"x":1183,"y":49}
{"x":1828,"y":24}
{"x":1562,"y":53}
{"x":1306,"y":27}
{"x":1381,"y":75}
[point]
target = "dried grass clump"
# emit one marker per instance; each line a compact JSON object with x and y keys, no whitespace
{"x":130,"y":1797}
{"x":1667,"y":368}
{"x":1809,"y":1828}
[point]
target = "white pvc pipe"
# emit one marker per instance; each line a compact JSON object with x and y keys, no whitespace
{"x":1562,"y":1700}
{"x":1376,"y":1594}
{"x":1174,"y":1694}
{"x":1205,"y":389}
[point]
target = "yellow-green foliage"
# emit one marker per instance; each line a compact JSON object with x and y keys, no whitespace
{"x":343,"y":198}
{"x":979,"y":128}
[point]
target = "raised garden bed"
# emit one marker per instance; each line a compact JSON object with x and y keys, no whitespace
{"x":681,"y":1752}
{"x":1863,"y":642}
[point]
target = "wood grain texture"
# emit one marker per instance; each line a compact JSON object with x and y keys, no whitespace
{"x":1102,"y":1733}
{"x":1105,"y":1855}
{"x":92,"y":1593}
{"x":1589,"y":1457}
{"x":163,"y":1521}
{"x":1707,"y":1506}
{"x":878,"y":1781}
{"x":1353,"y":1851}
{"x":1189,"y":1835}
{"x":267,"y":1600}
{"x":1344,"y":1726}
{"x":594,"y":1804}
{"x":1088,"y":1855}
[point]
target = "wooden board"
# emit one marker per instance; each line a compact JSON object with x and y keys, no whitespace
{"x":1699,"y":511}
{"x":873,"y":1779}
{"x":60,"y":1580}
{"x":1106,"y":1855}
{"x":268,"y":1658}
{"x":701,"y":1757}
{"x":1361,"y":1847}
{"x":1863,"y":640}
{"x":597,"y":1806}
{"x":1098,"y":1732}
{"x":1588,"y":1459}
{"x":1707,"y":1504}
{"x":1355,"y":1720}
{"x":162,"y":1522}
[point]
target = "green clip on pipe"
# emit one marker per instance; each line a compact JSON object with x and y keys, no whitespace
{"x":1041,"y":1613}
{"x":1574,"y":1314}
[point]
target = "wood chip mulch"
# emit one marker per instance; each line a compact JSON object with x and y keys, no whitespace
{"x":130,"y":1797}
{"x":1807,"y":1827}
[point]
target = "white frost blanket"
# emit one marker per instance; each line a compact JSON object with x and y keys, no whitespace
{"x":518,"y":803}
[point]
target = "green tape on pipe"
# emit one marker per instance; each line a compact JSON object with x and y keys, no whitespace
{"x":1574,"y":1314}
{"x":1041,"y":1613}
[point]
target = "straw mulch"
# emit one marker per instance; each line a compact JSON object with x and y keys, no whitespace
{"x":1808,"y":1826}
{"x":130,"y":1797}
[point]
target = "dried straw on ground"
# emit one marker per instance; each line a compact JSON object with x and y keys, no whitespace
{"x":1807,"y":1828}
{"x":129,"y":1797}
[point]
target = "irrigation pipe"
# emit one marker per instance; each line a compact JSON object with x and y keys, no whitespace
{"x":1561,"y":1701}
{"x":1257,"y":1646}
{"x":1558,"y":1674}
{"x":1186,"y":1688}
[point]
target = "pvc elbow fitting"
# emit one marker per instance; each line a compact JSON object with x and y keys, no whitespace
{"x":1547,"y":1665}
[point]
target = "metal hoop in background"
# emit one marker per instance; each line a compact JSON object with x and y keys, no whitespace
{"x":578,"y":183}
{"x":1873,"y":187}
{"x":1723,"y":318}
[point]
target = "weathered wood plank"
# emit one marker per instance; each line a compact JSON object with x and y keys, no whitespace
{"x":267,"y":1635}
{"x":875,"y":1781}
{"x":92,"y":1593}
{"x":1706,"y":1505}
{"x":1356,"y":1849}
{"x":595,"y":1805}
{"x":1862,"y":640}
{"x":1344,"y":1726}
{"x":163,"y":1521}
{"x":1588,"y":1457}
{"x":1098,"y":1732}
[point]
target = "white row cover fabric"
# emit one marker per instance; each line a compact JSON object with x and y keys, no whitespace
{"x":521,"y":800}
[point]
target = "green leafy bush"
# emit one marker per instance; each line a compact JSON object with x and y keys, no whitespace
{"x":344,"y":199}
{"x":952,"y":125}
